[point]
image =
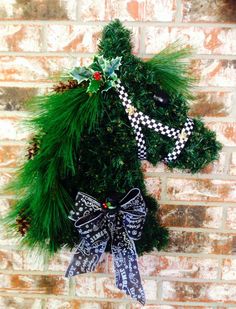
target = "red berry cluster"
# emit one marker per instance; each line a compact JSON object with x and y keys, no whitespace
{"x":104,"y":205}
{"x":97,"y":75}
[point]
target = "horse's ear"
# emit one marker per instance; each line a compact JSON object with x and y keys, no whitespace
{"x":115,"y":41}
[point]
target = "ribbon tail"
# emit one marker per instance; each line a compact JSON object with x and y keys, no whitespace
{"x":85,"y":258}
{"x":126,"y":271}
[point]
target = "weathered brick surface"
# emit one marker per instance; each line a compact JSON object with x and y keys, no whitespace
{"x":226,"y":132}
{"x":153,"y":185}
{"x":191,"y":216}
{"x":20,"y":38}
{"x":11,"y":156}
{"x":20,"y":302}
{"x":231,"y":218}
{"x":201,"y":190}
{"x":200,"y":292}
{"x":213,"y":104}
{"x":174,"y":266}
{"x":82,"y":304}
{"x":229,"y":269}
{"x":20,"y":260}
{"x":40,"y":39}
{"x":209,"y":11}
{"x":218,"y":73}
{"x":38,"y":284}
{"x":11,"y":128}
{"x":34,"y":9}
{"x":232,"y":170}
{"x":29,"y":69}
{"x":83,"y":39}
{"x":199,"y":242}
{"x":128,"y":10}
{"x":16,"y":98}
{"x":205,"y":40}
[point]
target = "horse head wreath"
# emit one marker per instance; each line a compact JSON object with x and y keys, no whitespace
{"x":87,"y":133}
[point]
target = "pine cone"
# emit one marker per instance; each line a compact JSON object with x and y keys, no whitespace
{"x":33,"y":148}
{"x":23,"y":224}
{"x":64,"y":86}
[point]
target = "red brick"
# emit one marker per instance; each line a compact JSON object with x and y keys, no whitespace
{"x":20,"y":260}
{"x":208,"y":40}
{"x":229,"y":269}
{"x":213,"y":104}
{"x":216,"y":73}
{"x":198,"y":242}
{"x":178,"y":267}
{"x":5,"y":205}
{"x":10,"y":302}
{"x":83,"y":39}
{"x":174,"y":266}
{"x":128,"y":10}
{"x":19,"y":38}
{"x":191,"y":216}
{"x":153,"y":186}
{"x":11,"y":128}
{"x":16,"y":98}
{"x":232,"y":168}
{"x":33,"y":9}
{"x":225,"y":131}
{"x":199,"y":292}
{"x":11,"y":156}
{"x":6,"y":239}
{"x":5,"y":178}
{"x":81,"y":304}
{"x":231,"y":218}
{"x":173,"y":307}
{"x":217,"y":166}
{"x":33,"y":69}
{"x":36,"y":284}
{"x":61,"y":261}
{"x":73,"y":38}
{"x":105,"y":287}
{"x":201,"y":190}
{"x":209,"y":11}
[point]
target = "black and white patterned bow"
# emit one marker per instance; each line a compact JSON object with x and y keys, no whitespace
{"x":138,"y":118}
{"x":121,"y":224}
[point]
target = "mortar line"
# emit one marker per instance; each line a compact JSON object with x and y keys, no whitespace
{"x":78,"y":15}
{"x":179,"y":11}
{"x":192,"y":176}
{"x":202,"y":230}
{"x":112,"y":276}
{"x":141,"y":53}
{"x":154,"y":252}
{"x":127,"y":23}
{"x":113,"y":300}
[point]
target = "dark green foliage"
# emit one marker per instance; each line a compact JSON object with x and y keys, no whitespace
{"x":87,"y":144}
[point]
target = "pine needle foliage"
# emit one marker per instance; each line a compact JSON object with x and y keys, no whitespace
{"x":87,"y":144}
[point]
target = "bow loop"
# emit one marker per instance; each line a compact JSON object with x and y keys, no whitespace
{"x":122,"y":223}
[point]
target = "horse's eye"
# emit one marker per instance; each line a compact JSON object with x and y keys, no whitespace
{"x":161,"y":98}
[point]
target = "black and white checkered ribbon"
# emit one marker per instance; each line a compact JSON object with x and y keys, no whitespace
{"x":137,"y":118}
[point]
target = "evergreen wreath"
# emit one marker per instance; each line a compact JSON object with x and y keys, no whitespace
{"x":86,"y":140}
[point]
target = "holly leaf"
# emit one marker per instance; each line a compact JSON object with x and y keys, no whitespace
{"x":81,"y":74}
{"x":108,"y":86}
{"x":113,"y":65}
{"x":94,"y":86}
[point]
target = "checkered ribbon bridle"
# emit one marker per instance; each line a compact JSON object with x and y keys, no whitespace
{"x":138,"y":118}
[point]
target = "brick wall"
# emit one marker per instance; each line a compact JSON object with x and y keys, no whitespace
{"x":198,"y":269}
